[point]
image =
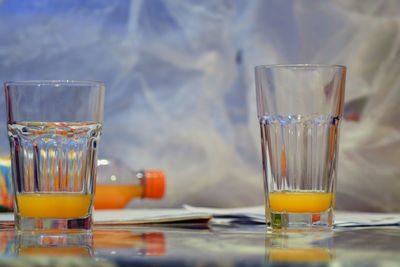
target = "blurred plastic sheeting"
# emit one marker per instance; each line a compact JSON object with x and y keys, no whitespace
{"x":180,"y":88}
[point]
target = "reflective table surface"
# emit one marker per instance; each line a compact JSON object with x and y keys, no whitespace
{"x":200,"y":244}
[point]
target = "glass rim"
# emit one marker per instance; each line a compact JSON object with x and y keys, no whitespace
{"x":300,"y":66}
{"x":54,"y":83}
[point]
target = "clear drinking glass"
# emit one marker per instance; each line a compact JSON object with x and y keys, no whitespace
{"x":299,"y":109}
{"x":54,"y":129}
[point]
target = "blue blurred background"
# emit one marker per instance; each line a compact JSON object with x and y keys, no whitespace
{"x":180,"y":88}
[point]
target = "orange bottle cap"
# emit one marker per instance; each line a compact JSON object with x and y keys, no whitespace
{"x":155,"y":184}
{"x":155,"y":244}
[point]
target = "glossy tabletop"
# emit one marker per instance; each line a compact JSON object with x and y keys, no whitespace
{"x":200,"y":244}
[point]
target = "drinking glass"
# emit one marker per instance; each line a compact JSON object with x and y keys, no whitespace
{"x":54,"y":129}
{"x":299,"y":109}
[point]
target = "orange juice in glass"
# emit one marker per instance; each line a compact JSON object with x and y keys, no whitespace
{"x":301,"y":202}
{"x":54,"y":128}
{"x":300,"y":108}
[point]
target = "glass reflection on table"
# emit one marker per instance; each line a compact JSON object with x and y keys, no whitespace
{"x":299,"y":247}
{"x":54,"y":245}
{"x":99,"y":243}
{"x":222,"y":245}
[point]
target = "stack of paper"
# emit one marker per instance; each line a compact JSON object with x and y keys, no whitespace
{"x":149,"y":216}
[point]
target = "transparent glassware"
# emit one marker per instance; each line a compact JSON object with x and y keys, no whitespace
{"x":300,"y":108}
{"x":54,"y":128}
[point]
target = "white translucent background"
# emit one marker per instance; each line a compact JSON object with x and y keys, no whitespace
{"x":180,"y":86}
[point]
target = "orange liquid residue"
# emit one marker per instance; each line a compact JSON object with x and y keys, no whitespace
{"x":301,"y":202}
{"x":54,"y":205}
{"x":54,"y":251}
{"x":116,"y":196}
{"x":300,"y":255}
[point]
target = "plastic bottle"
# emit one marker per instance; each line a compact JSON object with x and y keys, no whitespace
{"x":6,"y":197}
{"x":117,"y":185}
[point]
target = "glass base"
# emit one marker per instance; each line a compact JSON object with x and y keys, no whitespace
{"x":290,"y":221}
{"x":40,"y":225}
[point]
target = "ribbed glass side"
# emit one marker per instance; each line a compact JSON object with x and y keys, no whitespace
{"x":299,"y":152}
